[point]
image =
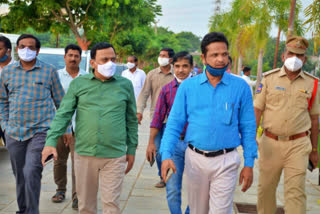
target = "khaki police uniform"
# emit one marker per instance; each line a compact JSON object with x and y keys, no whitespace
{"x":285,"y":144}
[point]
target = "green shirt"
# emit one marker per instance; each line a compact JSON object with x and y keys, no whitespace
{"x":106,"y":121}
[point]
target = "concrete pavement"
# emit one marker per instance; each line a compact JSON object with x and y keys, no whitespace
{"x":139,"y":196}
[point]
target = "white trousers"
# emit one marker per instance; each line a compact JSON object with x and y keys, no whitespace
{"x":211,"y":182}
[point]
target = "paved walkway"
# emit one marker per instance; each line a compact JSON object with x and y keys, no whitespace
{"x":138,"y":195}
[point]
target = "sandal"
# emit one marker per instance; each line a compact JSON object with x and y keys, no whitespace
{"x":161,"y":184}
{"x":58,"y":197}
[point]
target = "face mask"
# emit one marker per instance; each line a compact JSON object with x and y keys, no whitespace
{"x":108,"y":69}
{"x":163,"y":61}
{"x":4,"y":58}
{"x":216,"y":71}
{"x":293,"y":64}
{"x":26,"y":54}
{"x":180,"y":80}
{"x":131,"y":65}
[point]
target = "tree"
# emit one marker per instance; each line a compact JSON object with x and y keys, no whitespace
{"x":312,"y":12}
{"x":87,"y":19}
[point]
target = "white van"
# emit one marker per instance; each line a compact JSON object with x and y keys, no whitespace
{"x":55,"y":56}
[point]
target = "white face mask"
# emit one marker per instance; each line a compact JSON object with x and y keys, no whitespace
{"x":108,"y":69}
{"x":131,"y":65}
{"x":26,"y":54}
{"x":293,"y":64}
{"x":180,"y":80}
{"x":163,"y":61}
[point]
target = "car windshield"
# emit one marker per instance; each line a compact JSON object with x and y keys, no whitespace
{"x":58,"y":60}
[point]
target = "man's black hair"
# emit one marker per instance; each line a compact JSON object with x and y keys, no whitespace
{"x":246,"y":69}
{"x":100,"y":46}
{"x":6,"y":42}
{"x":210,"y":38}
{"x":169,"y":50}
{"x":25,"y":36}
{"x":72,"y":47}
{"x":134,"y":58}
{"x":230,"y":59}
{"x":183,"y":55}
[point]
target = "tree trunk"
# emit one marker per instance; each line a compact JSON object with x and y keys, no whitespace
{"x":277,"y":49}
{"x":83,"y":43}
{"x":260,"y":64}
{"x":291,"y":18}
{"x":239,"y":65}
{"x":57,"y":40}
{"x":234,"y":65}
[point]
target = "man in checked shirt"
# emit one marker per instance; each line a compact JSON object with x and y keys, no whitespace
{"x":182,"y":67}
{"x":30,"y":91}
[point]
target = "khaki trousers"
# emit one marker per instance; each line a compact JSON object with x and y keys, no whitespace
{"x":291,"y":157}
{"x":104,"y":174}
{"x":211,"y":182}
{"x":60,"y":166}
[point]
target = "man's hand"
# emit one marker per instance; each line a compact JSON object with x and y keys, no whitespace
{"x":314,"y":158}
{"x":130,"y":160}
{"x":151,"y":151}
{"x":139,"y":116}
{"x":246,"y":177}
{"x":46,"y":152}
{"x":67,"y":139}
{"x":165,"y":166}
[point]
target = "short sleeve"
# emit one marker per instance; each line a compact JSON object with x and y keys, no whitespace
{"x":260,"y":97}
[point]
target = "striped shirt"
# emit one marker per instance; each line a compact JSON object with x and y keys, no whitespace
{"x":28,"y":99}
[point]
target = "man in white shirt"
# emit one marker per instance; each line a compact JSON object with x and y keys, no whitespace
{"x":5,"y":59}
{"x":246,"y":77}
{"x":136,"y":75}
{"x":66,"y":142}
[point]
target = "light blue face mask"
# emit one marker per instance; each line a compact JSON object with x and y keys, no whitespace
{"x":216,"y":71}
{"x":4,"y":58}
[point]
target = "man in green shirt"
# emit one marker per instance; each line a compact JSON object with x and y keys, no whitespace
{"x":106,"y":131}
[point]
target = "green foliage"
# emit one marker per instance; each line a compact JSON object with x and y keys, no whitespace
{"x":312,"y":12}
{"x":87,"y":19}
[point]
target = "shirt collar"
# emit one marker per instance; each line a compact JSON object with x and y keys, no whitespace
{"x":92,"y":76}
{"x":80,"y":73}
{"x":171,"y":70}
{"x":174,"y":83}
{"x":36,"y":65}
{"x":283,"y":73}
{"x":225,"y":78}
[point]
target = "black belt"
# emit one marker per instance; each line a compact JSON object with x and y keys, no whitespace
{"x":211,"y":154}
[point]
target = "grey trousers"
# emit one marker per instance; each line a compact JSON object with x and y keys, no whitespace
{"x":26,"y":164}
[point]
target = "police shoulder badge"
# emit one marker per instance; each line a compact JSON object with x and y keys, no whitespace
{"x":259,"y":89}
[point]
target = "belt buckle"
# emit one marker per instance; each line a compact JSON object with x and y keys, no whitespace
{"x":283,"y":138}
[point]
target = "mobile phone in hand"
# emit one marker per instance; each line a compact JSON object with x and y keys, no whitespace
{"x":310,"y":166}
{"x":152,"y":161}
{"x":48,"y":158}
{"x":169,"y":174}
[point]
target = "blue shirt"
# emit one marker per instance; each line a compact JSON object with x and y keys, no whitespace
{"x":219,"y":118}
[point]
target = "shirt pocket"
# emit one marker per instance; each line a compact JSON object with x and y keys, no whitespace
{"x":41,"y":90}
{"x":229,"y":111}
{"x":302,"y":100}
{"x":275,"y":97}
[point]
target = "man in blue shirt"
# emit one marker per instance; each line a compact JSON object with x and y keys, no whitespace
{"x":219,"y":110}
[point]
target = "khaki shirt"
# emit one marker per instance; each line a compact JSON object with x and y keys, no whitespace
{"x":284,"y":102}
{"x":153,"y":84}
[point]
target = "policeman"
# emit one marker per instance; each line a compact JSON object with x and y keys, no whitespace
{"x":288,"y":99}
